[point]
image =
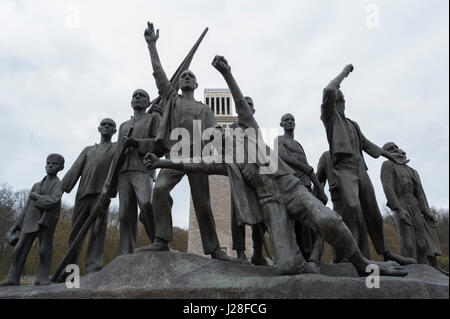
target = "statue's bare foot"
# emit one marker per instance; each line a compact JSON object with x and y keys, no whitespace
{"x":9,"y":282}
{"x":399,"y":259}
{"x":387,"y":268}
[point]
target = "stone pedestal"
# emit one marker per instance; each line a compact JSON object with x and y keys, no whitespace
{"x":188,"y":276}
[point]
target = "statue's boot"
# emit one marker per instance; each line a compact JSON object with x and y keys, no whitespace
{"x":259,"y":260}
{"x":242,"y":257}
{"x":158,"y":245}
{"x":9,"y":282}
{"x":312,"y":268}
{"x":399,"y":259}
{"x":219,"y":254}
{"x":42,"y":282}
{"x":61,"y":278}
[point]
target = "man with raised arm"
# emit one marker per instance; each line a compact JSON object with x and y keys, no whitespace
{"x":238,"y":231}
{"x":180,"y":112}
{"x":347,"y":144}
{"x":283,"y":198}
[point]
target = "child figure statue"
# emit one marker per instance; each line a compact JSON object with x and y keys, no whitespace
{"x":38,"y":219}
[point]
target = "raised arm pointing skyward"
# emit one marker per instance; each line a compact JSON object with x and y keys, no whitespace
{"x":162,"y":82}
{"x":242,"y":107}
{"x":331,"y":95}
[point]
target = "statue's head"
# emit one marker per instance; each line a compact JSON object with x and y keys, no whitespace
{"x":54,"y":164}
{"x":288,"y":122}
{"x":140,"y":100}
{"x":391,"y":147}
{"x":340,"y":102}
{"x":250,"y":103}
{"x":107,"y":128}
{"x":188,"y":81}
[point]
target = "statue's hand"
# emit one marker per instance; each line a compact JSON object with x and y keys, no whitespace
{"x":431,"y":218}
{"x":150,"y":34}
{"x":348,"y":69}
{"x":400,"y":161}
{"x":221,"y":64}
{"x":249,"y":172}
{"x":404,"y":217}
{"x":322,"y":197}
{"x":151,"y":161}
{"x":129,"y":142}
{"x":33,"y":196}
{"x":394,"y":158}
{"x":319,"y":193}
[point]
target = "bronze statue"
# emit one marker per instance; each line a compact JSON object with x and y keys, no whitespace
{"x":180,"y":111}
{"x":238,"y":231}
{"x":38,"y":220}
{"x":91,"y":168}
{"x":278,"y":199}
{"x":347,"y":144}
{"x":355,"y":222}
{"x":415,"y":223}
{"x":135,"y":182}
{"x":293,"y":154}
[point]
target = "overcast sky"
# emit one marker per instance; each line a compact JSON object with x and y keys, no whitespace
{"x":65,"y":65}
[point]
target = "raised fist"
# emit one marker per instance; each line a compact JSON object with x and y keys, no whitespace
{"x":348,"y":69}
{"x":221,"y":64}
{"x":149,"y":34}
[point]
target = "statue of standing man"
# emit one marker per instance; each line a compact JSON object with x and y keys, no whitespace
{"x":293,"y":154}
{"x":416,"y":230}
{"x":91,"y":168}
{"x":347,"y":144}
{"x":181,"y":111}
{"x":135,"y":182}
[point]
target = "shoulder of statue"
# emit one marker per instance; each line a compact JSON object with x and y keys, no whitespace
{"x":36,"y":185}
{"x":412,"y":169}
{"x":354,"y":123}
{"x":390,"y":165}
{"x":126,"y":122}
{"x":149,"y":116}
{"x":203,"y":105}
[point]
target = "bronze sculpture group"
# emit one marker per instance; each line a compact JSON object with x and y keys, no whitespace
{"x":288,"y":203}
